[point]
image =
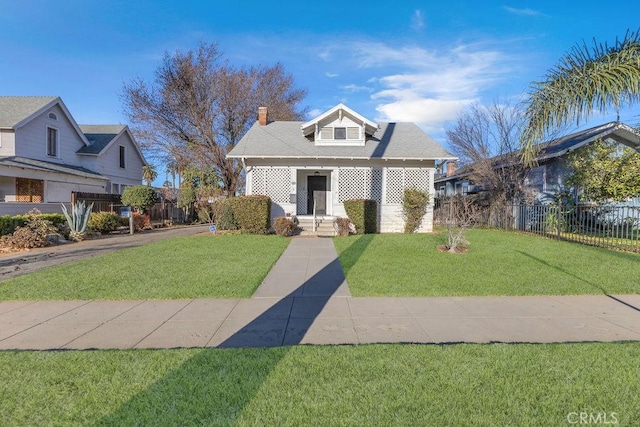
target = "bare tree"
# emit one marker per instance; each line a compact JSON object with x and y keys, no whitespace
{"x":462,"y":215}
{"x":199,"y":107}
{"x":487,"y":140}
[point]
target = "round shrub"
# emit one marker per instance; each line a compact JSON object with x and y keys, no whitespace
{"x":140,"y":197}
{"x":104,"y":222}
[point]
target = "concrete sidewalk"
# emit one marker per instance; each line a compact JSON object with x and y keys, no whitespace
{"x":47,"y":325}
{"x":305,"y":299}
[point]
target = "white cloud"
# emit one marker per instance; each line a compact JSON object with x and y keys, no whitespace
{"x":355,"y":88}
{"x":429,"y":88}
{"x":331,"y":75}
{"x":417,"y":20}
{"x":526,"y":12}
{"x":314,"y":113}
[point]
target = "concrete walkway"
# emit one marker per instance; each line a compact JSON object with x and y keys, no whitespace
{"x":305,"y":300}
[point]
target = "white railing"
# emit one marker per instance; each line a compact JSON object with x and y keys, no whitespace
{"x":315,"y":220}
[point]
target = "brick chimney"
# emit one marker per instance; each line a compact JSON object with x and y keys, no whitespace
{"x":262,"y":116}
{"x":451,"y":168}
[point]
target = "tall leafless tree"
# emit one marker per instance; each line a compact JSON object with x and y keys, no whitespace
{"x":198,"y":108}
{"x":487,"y":140}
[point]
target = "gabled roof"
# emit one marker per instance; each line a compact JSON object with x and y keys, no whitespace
{"x":17,"y":111}
{"x":557,"y":147}
{"x":617,"y":131}
{"x":40,"y":165}
{"x":403,"y":141}
{"x":370,"y":127}
{"x":101,"y":137}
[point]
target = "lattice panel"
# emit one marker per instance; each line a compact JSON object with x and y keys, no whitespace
{"x":375,"y":183}
{"x":258,"y":181}
{"x":351,"y":184}
{"x":400,"y":179}
{"x":395,"y":186}
{"x":302,"y":202}
{"x":417,"y":178}
{"x":272,"y":182}
{"x":278,"y":184}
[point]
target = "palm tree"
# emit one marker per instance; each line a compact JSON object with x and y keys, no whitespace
{"x":149,"y":174}
{"x":586,"y":79}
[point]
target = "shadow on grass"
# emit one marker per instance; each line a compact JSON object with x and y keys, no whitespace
{"x":214,"y":386}
{"x":350,"y":256}
{"x":582,"y":279}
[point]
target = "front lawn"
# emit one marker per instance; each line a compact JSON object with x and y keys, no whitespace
{"x":482,"y":385}
{"x":221,"y":266}
{"x":498,"y":263}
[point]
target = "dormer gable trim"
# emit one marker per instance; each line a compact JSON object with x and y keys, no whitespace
{"x":311,"y":126}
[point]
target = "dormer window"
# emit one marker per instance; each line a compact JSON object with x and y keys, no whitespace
{"x":339,"y":126}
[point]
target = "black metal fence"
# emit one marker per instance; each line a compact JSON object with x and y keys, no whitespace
{"x":611,"y":227}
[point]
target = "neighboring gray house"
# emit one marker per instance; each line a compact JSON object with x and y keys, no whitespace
{"x":45,"y":155}
{"x":548,"y":178}
{"x":337,"y":156}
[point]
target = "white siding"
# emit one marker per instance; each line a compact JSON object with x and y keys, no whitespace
{"x":31,"y":139}
{"x":108,"y":164}
{"x":7,"y":142}
{"x":7,"y":188}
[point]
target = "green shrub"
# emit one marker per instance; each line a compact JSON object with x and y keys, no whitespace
{"x":284,"y":226}
{"x":104,"y":222}
{"x":140,"y":197}
{"x":414,"y":206}
{"x":223,"y":215}
{"x":252,"y":214}
{"x":9,"y":223}
{"x":363,"y":213}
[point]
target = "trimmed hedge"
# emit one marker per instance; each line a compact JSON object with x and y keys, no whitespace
{"x":9,"y":223}
{"x":249,"y":214}
{"x":252,"y":214}
{"x":363,"y":213}
{"x":223,"y":215}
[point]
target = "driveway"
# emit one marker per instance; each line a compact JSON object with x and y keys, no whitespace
{"x":15,"y":264}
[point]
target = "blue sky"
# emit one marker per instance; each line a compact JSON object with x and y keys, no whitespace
{"x":421,"y":61}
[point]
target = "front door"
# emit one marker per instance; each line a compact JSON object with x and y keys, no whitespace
{"x":317,"y":189}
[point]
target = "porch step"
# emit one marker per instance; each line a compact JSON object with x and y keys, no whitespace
{"x":324,"y":228}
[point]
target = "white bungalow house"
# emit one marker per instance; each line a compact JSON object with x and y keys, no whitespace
{"x":45,"y":155}
{"x":337,"y":156}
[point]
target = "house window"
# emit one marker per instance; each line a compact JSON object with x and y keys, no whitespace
{"x":29,"y":190}
{"x":339,"y":133}
{"x":52,"y":142}
{"x":53,"y":116}
{"x":115,"y":188}
{"x":122,"y":153}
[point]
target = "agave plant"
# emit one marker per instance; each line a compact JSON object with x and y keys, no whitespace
{"x":78,"y":219}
